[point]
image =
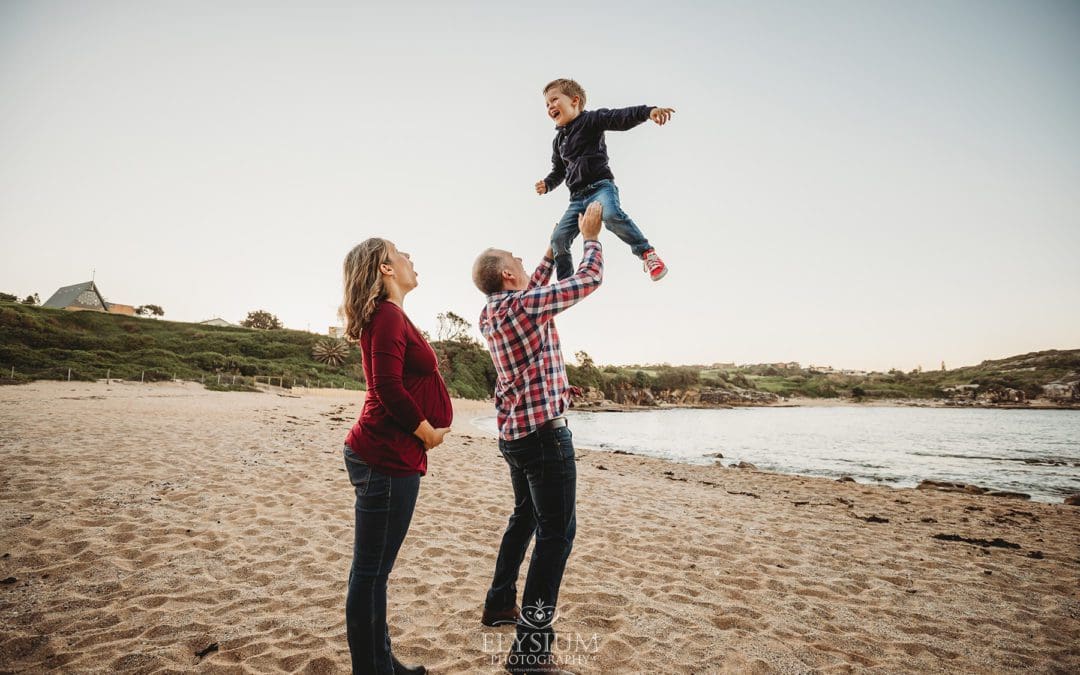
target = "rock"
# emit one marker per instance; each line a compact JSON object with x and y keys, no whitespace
{"x":873,"y":519}
{"x":718,"y":455}
{"x":744,"y":465}
{"x":1007,"y":494}
{"x":845,"y":479}
{"x":1073,"y":500}
{"x":601,"y":467}
{"x":939,"y":485}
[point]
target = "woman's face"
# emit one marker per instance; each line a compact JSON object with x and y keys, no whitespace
{"x":402,"y":267}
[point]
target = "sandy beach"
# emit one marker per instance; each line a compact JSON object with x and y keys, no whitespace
{"x":166,"y":528}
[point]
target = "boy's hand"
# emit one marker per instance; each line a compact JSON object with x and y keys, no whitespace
{"x":541,"y":187}
{"x":661,"y":115}
{"x":588,"y":223}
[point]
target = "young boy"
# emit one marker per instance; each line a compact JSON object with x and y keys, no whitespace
{"x":579,"y":155}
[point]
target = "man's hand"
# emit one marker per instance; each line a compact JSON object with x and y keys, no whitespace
{"x":661,"y":115}
{"x":588,"y":223}
{"x":541,"y":187}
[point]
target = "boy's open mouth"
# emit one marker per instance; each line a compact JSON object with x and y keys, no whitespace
{"x":554,"y":114}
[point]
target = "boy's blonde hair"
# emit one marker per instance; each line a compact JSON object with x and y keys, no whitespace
{"x":568,"y":87}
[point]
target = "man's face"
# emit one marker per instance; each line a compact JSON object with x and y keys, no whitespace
{"x":514,"y":265}
{"x":560,"y":107}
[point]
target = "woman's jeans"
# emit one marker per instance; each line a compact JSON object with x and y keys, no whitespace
{"x":384,"y":508}
{"x":607,"y":193}
{"x":544,"y":477}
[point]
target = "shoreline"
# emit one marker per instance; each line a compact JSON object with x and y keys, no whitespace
{"x":804,"y":402}
{"x":182,"y":529}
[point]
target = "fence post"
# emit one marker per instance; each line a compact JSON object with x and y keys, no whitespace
{"x":13,"y":372}
{"x":234,"y":380}
{"x":219,"y":378}
{"x":142,"y":377}
{"x":108,"y":375}
{"x":69,"y":374}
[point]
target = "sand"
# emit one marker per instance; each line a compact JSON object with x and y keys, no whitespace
{"x":165,"y":528}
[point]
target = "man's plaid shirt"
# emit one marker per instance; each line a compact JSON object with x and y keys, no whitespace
{"x":520,"y":331}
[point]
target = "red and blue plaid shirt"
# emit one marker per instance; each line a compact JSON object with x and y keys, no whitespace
{"x":518,"y":325}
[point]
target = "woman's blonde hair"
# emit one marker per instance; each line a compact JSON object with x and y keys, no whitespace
{"x":363,"y":284}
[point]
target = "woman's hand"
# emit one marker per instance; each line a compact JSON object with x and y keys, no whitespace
{"x":429,"y":435}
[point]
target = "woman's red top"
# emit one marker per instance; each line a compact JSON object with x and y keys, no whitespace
{"x":404,"y":387}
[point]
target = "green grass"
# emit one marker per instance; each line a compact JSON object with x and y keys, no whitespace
{"x":45,"y":343}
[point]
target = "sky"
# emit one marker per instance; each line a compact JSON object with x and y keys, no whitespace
{"x":859,"y":184}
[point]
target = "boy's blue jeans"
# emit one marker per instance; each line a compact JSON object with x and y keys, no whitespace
{"x":607,"y":193}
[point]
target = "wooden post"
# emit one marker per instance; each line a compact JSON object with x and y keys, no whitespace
{"x":142,"y":377}
{"x":234,"y":380}
{"x":69,"y":374}
{"x":219,"y":378}
{"x":13,"y":372}
{"x":108,"y":375}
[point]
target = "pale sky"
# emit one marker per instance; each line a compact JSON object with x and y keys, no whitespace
{"x":858,"y":184}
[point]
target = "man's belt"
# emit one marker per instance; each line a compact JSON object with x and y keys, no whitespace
{"x":554,"y":423}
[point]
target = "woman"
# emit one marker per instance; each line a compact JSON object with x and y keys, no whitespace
{"x":406,"y":413}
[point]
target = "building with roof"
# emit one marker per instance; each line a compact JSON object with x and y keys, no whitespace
{"x":217,"y":321}
{"x":85,"y":297}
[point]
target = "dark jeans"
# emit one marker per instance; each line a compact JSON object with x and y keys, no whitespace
{"x":384,"y":508}
{"x":607,"y":193}
{"x":544,"y":477}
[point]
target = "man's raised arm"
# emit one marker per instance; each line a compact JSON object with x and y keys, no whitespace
{"x":544,"y":302}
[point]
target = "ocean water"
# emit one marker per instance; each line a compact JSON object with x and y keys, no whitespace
{"x":1031,"y":451}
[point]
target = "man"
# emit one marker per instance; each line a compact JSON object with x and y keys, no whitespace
{"x":531,"y":395}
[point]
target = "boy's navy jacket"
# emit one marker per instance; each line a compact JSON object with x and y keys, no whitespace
{"x":579,"y":154}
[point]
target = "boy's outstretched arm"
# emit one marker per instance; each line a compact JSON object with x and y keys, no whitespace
{"x":624,"y":119}
{"x":558,"y":171}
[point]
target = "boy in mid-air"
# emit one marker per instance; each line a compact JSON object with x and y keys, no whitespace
{"x":579,"y":156}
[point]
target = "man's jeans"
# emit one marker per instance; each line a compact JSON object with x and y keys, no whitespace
{"x":544,"y":477}
{"x":384,"y":508}
{"x":607,"y":193}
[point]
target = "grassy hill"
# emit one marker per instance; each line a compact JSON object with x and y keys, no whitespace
{"x":1025,"y":373}
{"x":44,"y":343}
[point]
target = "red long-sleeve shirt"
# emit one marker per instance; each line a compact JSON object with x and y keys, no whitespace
{"x":404,"y":388}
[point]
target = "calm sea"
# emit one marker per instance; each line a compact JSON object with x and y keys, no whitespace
{"x":1032,"y":451}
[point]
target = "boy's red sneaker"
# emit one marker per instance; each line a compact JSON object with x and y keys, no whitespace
{"x":654,"y":265}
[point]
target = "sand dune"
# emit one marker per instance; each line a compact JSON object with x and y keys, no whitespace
{"x":154,"y":528}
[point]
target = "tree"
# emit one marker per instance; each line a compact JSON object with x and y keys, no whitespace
{"x":261,"y":319}
{"x":453,"y":327}
{"x":330,"y":351}
{"x":32,"y":300}
{"x":584,"y":360}
{"x":149,"y":310}
{"x":8,"y":297}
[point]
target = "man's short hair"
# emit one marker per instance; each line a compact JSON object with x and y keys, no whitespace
{"x":487,"y":271}
{"x":568,"y":87}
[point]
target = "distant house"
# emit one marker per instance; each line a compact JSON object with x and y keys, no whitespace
{"x":335,"y":331}
{"x":85,"y":297}
{"x":218,"y":321}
